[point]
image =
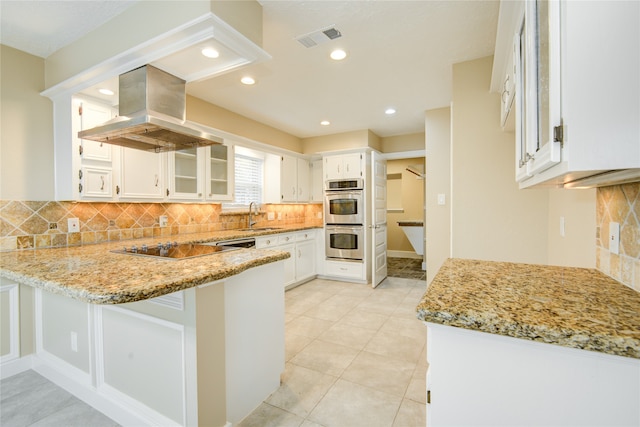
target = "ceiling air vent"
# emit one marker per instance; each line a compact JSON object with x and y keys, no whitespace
{"x":320,"y":36}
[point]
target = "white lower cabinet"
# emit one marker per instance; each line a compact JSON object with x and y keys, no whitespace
{"x":352,"y":270}
{"x":478,"y":378}
{"x":204,"y":356}
{"x":301,"y":266}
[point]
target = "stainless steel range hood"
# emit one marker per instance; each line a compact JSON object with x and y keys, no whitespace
{"x":151,"y":115}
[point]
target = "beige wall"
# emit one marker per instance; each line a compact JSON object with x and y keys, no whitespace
{"x":438,"y":181}
{"x":411,"y":200}
{"x":577,"y":247}
{"x":26,"y":133}
{"x":200,"y":111}
{"x":337,"y":141}
{"x":492,"y":219}
{"x":397,"y":143}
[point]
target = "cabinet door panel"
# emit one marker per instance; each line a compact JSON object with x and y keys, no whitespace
{"x":288,"y":179}
{"x":303,"y":180}
{"x":96,"y":183}
{"x":219,"y":172}
{"x":141,"y":175}
{"x":94,"y":114}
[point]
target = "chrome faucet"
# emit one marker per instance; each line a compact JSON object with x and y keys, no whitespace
{"x":252,"y":223}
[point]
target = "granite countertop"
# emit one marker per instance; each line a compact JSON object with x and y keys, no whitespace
{"x":94,"y":274}
{"x":572,"y":307}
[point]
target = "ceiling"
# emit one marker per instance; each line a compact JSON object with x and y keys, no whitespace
{"x":400,"y":55}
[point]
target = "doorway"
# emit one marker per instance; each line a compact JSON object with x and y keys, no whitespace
{"x":406,"y":216}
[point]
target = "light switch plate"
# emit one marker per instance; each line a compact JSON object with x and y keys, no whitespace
{"x":614,"y":237}
{"x":441,"y":199}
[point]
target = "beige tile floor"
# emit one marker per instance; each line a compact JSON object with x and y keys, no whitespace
{"x":355,"y":356}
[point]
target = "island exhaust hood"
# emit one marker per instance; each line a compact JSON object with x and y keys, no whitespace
{"x":152,"y":115}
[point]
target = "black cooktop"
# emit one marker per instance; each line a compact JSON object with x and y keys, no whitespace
{"x":175,"y":251}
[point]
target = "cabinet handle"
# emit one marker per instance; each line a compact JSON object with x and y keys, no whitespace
{"x":102,"y":186}
{"x":117,"y":189}
{"x":80,"y":188}
{"x":338,"y":168}
{"x":80,"y":174}
{"x":80,"y":149}
{"x":167,"y":192}
{"x":157,"y":181}
{"x":199,"y":194}
{"x":347,"y":167}
{"x":299,"y":254}
{"x":428,"y":396}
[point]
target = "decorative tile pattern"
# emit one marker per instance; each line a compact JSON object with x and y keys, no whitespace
{"x":621,"y":204}
{"x":35,"y":224}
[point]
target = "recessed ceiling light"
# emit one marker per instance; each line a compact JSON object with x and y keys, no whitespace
{"x":338,"y":54}
{"x":210,"y":52}
{"x":390,"y":111}
{"x":325,"y":123}
{"x":105,"y":91}
{"x":248,"y":80}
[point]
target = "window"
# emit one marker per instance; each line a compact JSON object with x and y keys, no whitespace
{"x":249,"y":167}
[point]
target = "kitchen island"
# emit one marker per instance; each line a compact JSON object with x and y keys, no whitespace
{"x":150,"y":341}
{"x":514,"y":344}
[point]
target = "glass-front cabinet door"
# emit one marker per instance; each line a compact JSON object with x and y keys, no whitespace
{"x":219,"y":172}
{"x":185,"y":182}
{"x":538,"y":108}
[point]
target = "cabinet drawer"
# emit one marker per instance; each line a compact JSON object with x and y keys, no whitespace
{"x":352,"y":270}
{"x":284,"y":239}
{"x":267,"y":242}
{"x":305,"y":235}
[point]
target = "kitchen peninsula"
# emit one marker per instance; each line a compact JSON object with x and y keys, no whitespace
{"x":513,"y":344}
{"x":196,"y":341}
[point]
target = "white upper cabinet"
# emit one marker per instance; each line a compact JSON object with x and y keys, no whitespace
{"x":576,"y":90}
{"x":141,"y":175}
{"x":316,"y":182}
{"x":343,"y":166}
{"x":186,"y":174}
{"x":92,"y":161}
{"x":294,"y":179}
{"x":92,"y":114}
{"x":203,"y":173}
{"x":537,"y":61}
{"x":219,"y":171}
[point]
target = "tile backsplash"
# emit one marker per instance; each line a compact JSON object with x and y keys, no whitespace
{"x":41,"y":224}
{"x":621,"y":204}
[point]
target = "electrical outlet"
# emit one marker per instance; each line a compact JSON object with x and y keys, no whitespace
{"x":271,"y":216}
{"x":319,"y":215}
{"x":73,"y":225}
{"x":163,"y":220}
{"x":614,"y":237}
{"x":561,"y":226}
{"x":74,"y":341}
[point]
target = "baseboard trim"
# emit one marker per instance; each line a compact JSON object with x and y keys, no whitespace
{"x":16,"y":366}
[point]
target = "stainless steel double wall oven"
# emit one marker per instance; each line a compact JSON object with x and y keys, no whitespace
{"x":344,"y":215}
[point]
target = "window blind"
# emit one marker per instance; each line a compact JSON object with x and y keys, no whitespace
{"x":248,"y":179}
